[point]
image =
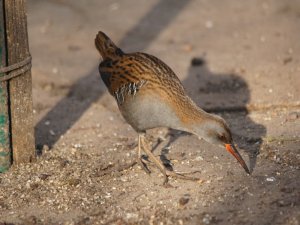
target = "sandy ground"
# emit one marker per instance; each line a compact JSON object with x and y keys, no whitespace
{"x":250,"y":76}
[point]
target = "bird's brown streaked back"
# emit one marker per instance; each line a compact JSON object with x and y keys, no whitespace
{"x":129,"y":68}
{"x":118,"y":69}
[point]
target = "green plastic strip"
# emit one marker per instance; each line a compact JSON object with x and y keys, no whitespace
{"x":5,"y":151}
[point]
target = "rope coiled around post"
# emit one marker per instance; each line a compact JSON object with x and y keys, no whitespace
{"x":15,"y":69}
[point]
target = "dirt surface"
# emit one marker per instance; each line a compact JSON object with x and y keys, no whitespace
{"x":239,"y":59}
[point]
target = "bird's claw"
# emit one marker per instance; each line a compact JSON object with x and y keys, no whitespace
{"x":143,"y":165}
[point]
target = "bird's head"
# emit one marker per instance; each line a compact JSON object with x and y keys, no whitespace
{"x":215,"y":131}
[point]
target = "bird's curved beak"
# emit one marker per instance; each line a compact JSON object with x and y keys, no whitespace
{"x":233,"y":151}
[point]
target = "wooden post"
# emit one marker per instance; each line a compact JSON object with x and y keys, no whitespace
{"x":5,"y":148}
{"x":19,"y":87}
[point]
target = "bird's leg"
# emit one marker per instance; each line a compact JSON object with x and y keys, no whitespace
{"x":154,"y":159}
{"x":139,"y":159}
{"x":161,"y":167}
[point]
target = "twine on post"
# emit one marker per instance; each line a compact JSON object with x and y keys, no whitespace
{"x":15,"y":69}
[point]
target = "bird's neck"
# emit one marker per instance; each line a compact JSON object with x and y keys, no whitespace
{"x":193,"y":118}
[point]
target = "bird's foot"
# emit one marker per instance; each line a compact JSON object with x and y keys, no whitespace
{"x":182,"y":175}
{"x":143,"y":165}
{"x":166,"y":173}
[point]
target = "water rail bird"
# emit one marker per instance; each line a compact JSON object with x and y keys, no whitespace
{"x":150,"y":95}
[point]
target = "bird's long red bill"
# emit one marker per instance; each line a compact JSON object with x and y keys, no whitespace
{"x":233,"y":151}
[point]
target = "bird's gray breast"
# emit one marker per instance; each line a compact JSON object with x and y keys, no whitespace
{"x":146,"y":111}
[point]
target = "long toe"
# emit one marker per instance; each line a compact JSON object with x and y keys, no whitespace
{"x":186,"y":172}
{"x":143,"y":165}
{"x":181,"y":175}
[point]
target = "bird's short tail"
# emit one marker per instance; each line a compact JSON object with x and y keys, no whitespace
{"x":106,"y":47}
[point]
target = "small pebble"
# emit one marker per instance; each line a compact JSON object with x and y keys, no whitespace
{"x":292,"y":116}
{"x":187,"y":47}
{"x":199,"y":158}
{"x":77,"y":146}
{"x":131,"y":215}
{"x":207,"y":219}
{"x":197,"y":61}
{"x":209,"y":24}
{"x":270,"y":179}
{"x":45,"y":148}
{"x":44,"y":176}
{"x":287,"y":60}
{"x":54,"y":70}
{"x":184,"y":200}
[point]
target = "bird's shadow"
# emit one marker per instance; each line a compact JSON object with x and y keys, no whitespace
{"x":227,"y":95}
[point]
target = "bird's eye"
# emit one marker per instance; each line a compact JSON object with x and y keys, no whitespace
{"x":222,"y":137}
